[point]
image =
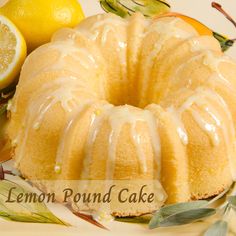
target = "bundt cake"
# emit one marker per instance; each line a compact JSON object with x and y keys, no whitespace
{"x":128,"y":99}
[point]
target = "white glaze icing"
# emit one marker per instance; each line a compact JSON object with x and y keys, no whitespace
{"x":103,"y":28}
{"x":117,"y":118}
{"x":95,"y":124}
{"x":80,"y":55}
{"x":176,"y":115}
{"x":113,"y":21}
{"x":213,"y":62}
{"x":209,"y":128}
{"x":196,"y":98}
{"x":195,"y":45}
{"x":210,"y":60}
{"x":227,"y":127}
{"x":66,"y":92}
{"x":63,"y":90}
{"x":64,"y":141}
{"x":166,"y":31}
{"x":101,"y":32}
{"x":211,"y":124}
{"x":67,"y":49}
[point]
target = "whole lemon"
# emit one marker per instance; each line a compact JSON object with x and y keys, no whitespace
{"x":39,"y":19}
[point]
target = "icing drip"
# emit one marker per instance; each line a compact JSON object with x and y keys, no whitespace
{"x":141,"y":155}
{"x":96,"y":122}
{"x":63,"y":90}
{"x":122,"y":45}
{"x":202,"y":99}
{"x":195,"y":45}
{"x":211,"y":61}
{"x":198,"y":98}
{"x":107,"y":31}
{"x":103,"y":28}
{"x":65,"y":93}
{"x":165,"y":30}
{"x":83,"y":57}
{"x":177,"y":116}
{"x":117,"y":118}
{"x":155,"y":139}
{"x":108,"y":25}
{"x":63,"y":146}
{"x":228,"y":130}
{"x":209,"y":128}
{"x":80,"y":55}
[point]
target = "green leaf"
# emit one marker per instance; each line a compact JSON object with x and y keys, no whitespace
{"x":124,"y":8}
{"x":219,"y":228}
{"x":225,"y":43}
{"x":35,"y":212}
{"x":180,"y":207}
{"x":113,"y":7}
{"x":187,"y":217}
{"x":181,"y":218}
{"x":174,"y":209}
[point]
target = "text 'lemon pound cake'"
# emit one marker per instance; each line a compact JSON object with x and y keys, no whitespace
{"x":128,"y":99}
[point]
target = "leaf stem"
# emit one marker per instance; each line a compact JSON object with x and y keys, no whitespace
{"x":218,"y":7}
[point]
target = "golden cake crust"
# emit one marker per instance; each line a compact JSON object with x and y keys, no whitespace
{"x":69,"y":118}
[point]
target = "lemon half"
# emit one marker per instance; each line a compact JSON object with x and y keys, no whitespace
{"x":12,"y":52}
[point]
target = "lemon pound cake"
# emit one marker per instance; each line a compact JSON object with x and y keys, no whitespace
{"x":128,"y":99}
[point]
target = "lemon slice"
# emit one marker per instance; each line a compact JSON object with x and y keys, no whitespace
{"x":12,"y":52}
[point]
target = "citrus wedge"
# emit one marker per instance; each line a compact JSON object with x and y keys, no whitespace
{"x":12,"y":52}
